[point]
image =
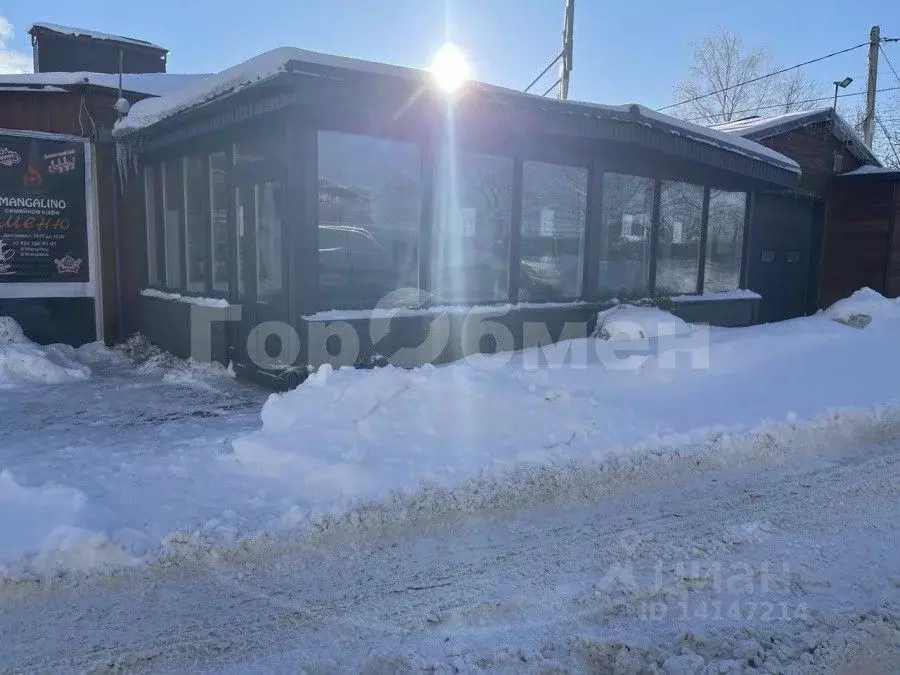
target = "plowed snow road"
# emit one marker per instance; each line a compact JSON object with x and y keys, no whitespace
{"x":770,"y":569}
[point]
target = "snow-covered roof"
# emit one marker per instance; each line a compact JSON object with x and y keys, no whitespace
{"x":95,"y":35}
{"x":258,"y":69}
{"x":153,"y":84}
{"x":870,"y":170}
{"x":757,"y":128}
{"x":283,"y":59}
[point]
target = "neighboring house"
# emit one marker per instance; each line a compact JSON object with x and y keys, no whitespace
{"x":75,"y":112}
{"x":814,"y":244}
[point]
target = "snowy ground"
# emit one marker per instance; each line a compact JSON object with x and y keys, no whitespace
{"x":438,"y":513}
{"x":790,"y":569}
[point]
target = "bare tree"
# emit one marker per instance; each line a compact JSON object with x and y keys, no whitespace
{"x":886,"y":139}
{"x":715,"y":89}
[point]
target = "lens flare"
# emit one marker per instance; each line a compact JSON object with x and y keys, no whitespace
{"x":449,"y":68}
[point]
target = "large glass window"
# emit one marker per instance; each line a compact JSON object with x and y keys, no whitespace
{"x":269,"y":205}
{"x":218,"y":203}
{"x":369,"y":212}
{"x":554,"y":202}
{"x":470,"y":240}
{"x":678,"y":248}
{"x":195,"y":224}
{"x":154,"y":278}
{"x":724,"y":241}
{"x":624,"y":268}
{"x":173,"y":210}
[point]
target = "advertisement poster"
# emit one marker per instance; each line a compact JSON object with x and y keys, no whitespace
{"x":43,"y":211}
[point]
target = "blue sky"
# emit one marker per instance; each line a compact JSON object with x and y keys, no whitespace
{"x":633,"y":50}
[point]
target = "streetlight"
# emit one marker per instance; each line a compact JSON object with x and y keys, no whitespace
{"x":843,"y":84}
{"x":449,"y":68}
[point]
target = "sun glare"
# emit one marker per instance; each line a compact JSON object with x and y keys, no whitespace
{"x":449,"y":68}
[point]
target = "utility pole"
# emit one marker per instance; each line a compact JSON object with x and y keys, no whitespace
{"x":871,"y":86}
{"x":565,"y":66}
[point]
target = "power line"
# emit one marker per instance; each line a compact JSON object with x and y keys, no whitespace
{"x":888,"y":137}
{"x":781,"y":105}
{"x":763,"y":77}
{"x":544,"y":72}
{"x":888,"y":61}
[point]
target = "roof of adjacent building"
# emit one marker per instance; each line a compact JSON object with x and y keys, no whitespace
{"x":151,"y":84}
{"x":757,"y":128}
{"x":874,"y":171}
{"x":277,"y":62}
{"x":92,"y":34}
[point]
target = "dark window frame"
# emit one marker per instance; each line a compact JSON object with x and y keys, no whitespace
{"x":518,"y":223}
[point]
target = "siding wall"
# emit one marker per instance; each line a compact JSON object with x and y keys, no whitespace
{"x":814,"y":149}
{"x":857,"y":235}
{"x":893,"y":276}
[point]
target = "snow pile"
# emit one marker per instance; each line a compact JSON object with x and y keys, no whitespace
{"x":864,"y":307}
{"x":24,"y":362}
{"x":39,"y":532}
{"x":508,"y":428}
{"x":148,"y":359}
{"x":629,"y":323}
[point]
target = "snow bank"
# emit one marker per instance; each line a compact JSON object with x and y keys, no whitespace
{"x":865,"y":306}
{"x":40,"y":536}
{"x":23,"y":362}
{"x":173,"y":470}
{"x":628,"y":323}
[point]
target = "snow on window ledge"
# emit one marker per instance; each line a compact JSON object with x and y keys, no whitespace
{"x":721,"y":296}
{"x":390,"y":313}
{"x":188,"y":299}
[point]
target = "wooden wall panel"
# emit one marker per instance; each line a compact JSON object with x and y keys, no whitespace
{"x":857,"y":237}
{"x":814,"y":148}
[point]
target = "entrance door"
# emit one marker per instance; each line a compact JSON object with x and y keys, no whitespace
{"x":778,"y":263}
{"x":261,"y":271}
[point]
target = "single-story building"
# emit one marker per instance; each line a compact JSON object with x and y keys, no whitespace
{"x":315,"y":197}
{"x":832,"y":234}
{"x":60,"y":193}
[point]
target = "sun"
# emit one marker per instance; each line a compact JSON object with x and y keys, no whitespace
{"x":449,"y":68}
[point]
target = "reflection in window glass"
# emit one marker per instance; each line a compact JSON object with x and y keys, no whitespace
{"x":269,"y":201}
{"x":369,"y":211}
{"x":150,"y":187}
{"x":470,"y":241}
{"x":625,"y":235}
{"x":724,"y":241}
{"x":554,"y":201}
{"x":173,"y":209}
{"x":678,"y":248}
{"x":242,"y":202}
{"x":195,"y":224}
{"x":218,"y":202}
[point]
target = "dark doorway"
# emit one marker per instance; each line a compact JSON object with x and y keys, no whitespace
{"x":779,"y":254}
